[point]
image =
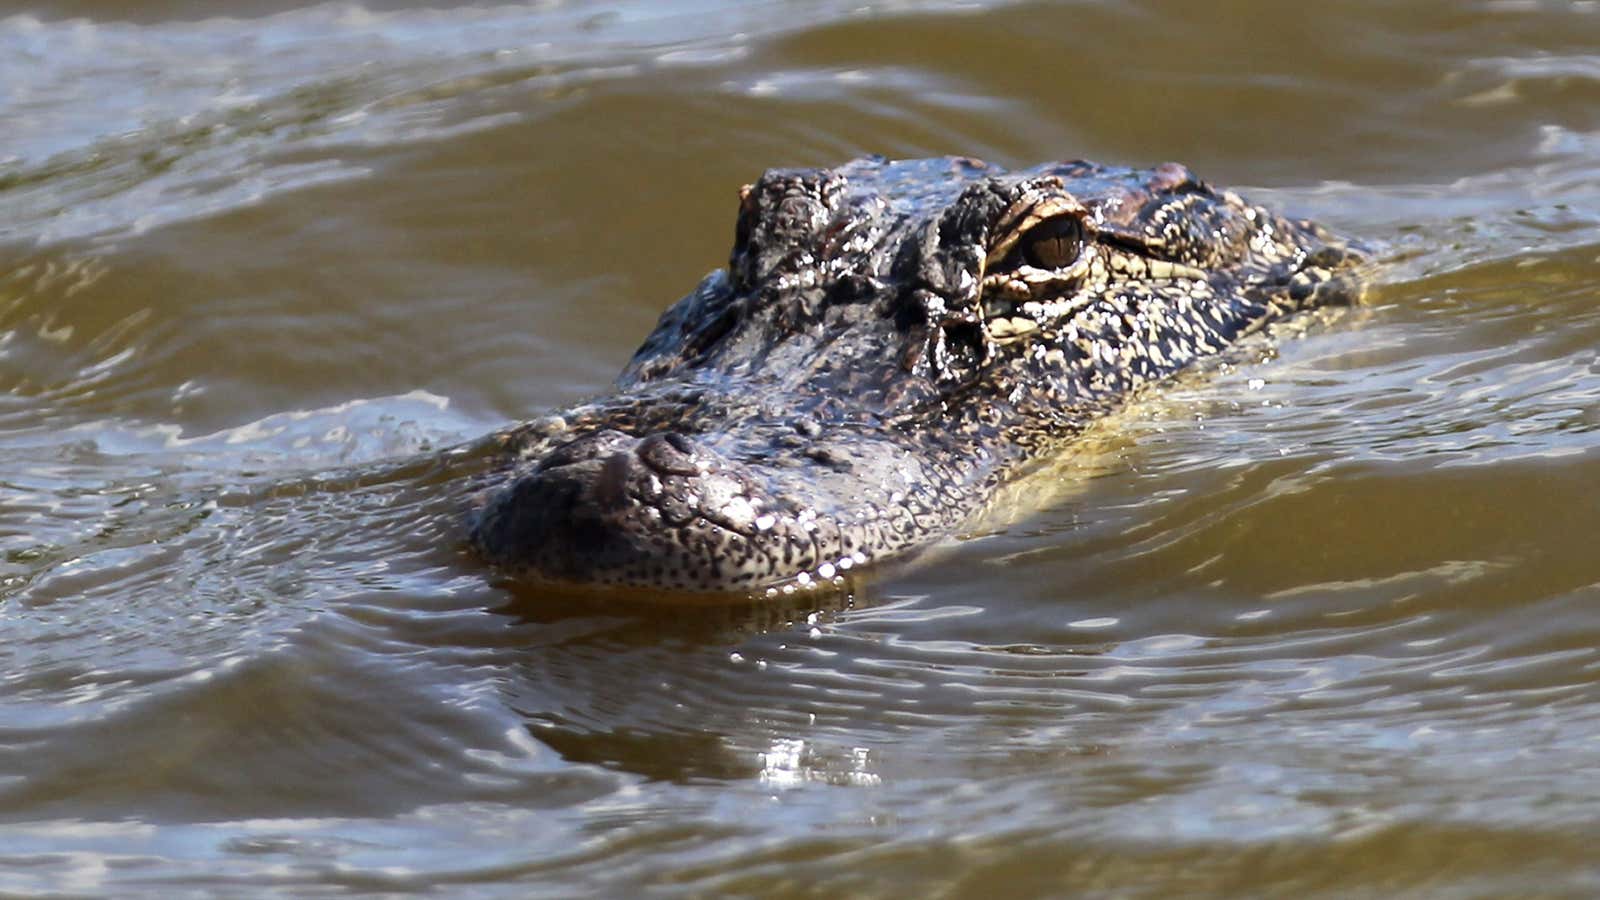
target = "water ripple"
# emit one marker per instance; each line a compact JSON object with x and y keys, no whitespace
{"x":1317,"y":619}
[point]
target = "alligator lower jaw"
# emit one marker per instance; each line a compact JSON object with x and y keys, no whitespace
{"x":639,"y":595}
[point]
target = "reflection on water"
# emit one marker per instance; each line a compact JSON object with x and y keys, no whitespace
{"x":1317,"y":620}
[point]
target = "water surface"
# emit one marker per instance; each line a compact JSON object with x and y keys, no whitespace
{"x":1320,"y":622}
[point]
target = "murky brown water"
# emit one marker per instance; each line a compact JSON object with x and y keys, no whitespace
{"x":1326,"y":623}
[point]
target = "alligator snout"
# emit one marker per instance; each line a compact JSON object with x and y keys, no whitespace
{"x":610,"y":508}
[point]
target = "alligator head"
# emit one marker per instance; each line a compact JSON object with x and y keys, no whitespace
{"x":889,"y":342}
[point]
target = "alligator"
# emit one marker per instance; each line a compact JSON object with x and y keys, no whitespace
{"x":890,"y":342}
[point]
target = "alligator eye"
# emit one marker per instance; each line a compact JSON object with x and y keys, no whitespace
{"x":1054,"y":243}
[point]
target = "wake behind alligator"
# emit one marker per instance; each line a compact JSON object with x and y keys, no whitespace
{"x":889,"y":343}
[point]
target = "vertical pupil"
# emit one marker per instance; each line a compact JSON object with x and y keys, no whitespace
{"x":1053,"y":244}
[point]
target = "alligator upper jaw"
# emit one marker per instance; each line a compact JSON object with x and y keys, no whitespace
{"x":613,"y":514}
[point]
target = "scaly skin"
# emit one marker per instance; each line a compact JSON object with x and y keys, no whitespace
{"x":889,"y":342}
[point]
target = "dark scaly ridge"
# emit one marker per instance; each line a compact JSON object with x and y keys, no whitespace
{"x":889,"y":342}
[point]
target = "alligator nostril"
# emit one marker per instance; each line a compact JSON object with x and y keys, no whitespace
{"x":668,"y":454}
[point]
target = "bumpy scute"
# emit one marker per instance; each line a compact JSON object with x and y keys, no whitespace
{"x":888,"y":343}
